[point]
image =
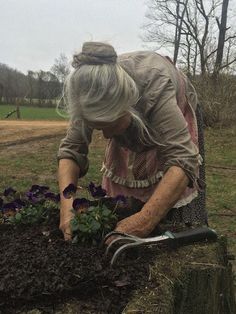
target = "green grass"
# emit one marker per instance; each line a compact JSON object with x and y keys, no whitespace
{"x":30,"y":113}
{"x":221,"y":184}
{"x":36,"y":163}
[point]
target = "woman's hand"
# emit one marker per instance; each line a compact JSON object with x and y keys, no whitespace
{"x":155,"y":209}
{"x":65,"y":217}
{"x":68,"y":172}
{"x":140,"y":224}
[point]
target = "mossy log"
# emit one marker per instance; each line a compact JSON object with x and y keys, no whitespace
{"x":188,"y":280}
{"x":194,"y":279}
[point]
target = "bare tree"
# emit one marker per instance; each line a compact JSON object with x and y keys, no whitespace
{"x":164,"y":13}
{"x":61,"y":67}
{"x":31,"y":80}
{"x":224,"y":41}
{"x":180,"y":14}
{"x":47,"y":86}
{"x":190,"y":28}
{"x":222,"y":34}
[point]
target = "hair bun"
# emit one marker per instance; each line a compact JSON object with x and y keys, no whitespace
{"x":95,"y":53}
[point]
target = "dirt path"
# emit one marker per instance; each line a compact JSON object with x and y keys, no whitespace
{"x":16,"y":132}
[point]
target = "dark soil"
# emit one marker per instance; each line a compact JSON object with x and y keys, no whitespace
{"x":39,"y":269}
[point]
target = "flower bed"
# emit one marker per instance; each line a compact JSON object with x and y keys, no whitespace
{"x":38,"y":268}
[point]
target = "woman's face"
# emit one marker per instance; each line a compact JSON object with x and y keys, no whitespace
{"x":113,"y":128}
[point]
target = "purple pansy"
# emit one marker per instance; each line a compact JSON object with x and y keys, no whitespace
{"x":57,"y":198}
{"x":69,"y":191}
{"x":96,"y":191}
{"x":35,"y":188}
{"x":9,"y":191}
{"x":19,"y":203}
{"x":80,"y":202}
{"x":34,"y":197}
{"x":120,"y":199}
{"x":9,"y":207}
{"x":52,"y":196}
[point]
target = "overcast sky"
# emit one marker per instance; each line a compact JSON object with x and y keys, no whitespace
{"x":34,"y":32}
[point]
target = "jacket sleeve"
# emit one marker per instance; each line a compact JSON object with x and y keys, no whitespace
{"x":75,"y":145}
{"x":170,"y":127}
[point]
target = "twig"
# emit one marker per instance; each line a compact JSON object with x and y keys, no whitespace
{"x":167,"y":278}
{"x":221,"y":214}
{"x":207,"y":264}
{"x":221,"y":167}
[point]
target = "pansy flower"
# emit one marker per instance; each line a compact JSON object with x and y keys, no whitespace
{"x":19,"y":203}
{"x":69,"y":191}
{"x":52,"y":196}
{"x":79,"y":203}
{"x":35,"y":188}
{"x":9,"y":207}
{"x":120,"y":199}
{"x":9,"y":191}
{"x":96,"y":191}
{"x":34,"y":197}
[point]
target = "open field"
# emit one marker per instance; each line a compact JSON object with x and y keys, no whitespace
{"x":30,"y":113}
{"x":20,"y":131}
{"x":28,"y":153}
{"x":28,"y":156}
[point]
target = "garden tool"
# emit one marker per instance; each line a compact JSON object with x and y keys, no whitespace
{"x":127,"y":241}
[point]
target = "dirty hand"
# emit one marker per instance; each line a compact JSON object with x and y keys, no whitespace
{"x":140,"y":224}
{"x":65,"y":218}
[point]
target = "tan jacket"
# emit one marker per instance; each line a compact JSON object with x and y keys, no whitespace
{"x":165,"y":94}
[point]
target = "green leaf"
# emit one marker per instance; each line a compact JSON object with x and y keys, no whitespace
{"x":91,"y":208}
{"x":74,"y":225}
{"x":18,"y":216}
{"x":83,"y":228}
{"x":106,"y":212}
{"x":95,"y":225}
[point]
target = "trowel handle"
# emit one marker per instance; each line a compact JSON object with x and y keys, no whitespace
{"x":193,"y":235}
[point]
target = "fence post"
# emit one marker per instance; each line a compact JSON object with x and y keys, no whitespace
{"x":18,"y":109}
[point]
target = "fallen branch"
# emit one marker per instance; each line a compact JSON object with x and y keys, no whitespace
{"x":221,"y":214}
{"x":207,"y":264}
{"x":221,"y":167}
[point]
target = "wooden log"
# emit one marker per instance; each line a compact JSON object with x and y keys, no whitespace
{"x":199,"y":280}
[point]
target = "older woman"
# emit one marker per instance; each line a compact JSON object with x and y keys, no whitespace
{"x":149,"y":111}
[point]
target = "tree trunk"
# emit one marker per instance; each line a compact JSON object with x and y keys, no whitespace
{"x":221,"y":40}
{"x":178,"y":29}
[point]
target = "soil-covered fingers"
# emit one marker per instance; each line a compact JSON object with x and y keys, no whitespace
{"x":65,"y":225}
{"x":139,"y":224}
{"x":66,"y":230}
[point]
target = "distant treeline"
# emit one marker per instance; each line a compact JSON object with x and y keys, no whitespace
{"x":37,"y":88}
{"x":36,"y":85}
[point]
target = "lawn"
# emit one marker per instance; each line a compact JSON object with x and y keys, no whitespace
{"x":221,"y":182}
{"x":30,"y":113}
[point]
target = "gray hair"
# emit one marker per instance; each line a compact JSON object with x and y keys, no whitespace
{"x":100,"y":93}
{"x":100,"y":90}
